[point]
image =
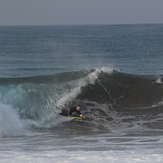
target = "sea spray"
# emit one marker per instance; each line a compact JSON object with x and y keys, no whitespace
{"x":10,"y":122}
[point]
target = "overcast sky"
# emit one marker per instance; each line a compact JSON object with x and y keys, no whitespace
{"x":52,"y":12}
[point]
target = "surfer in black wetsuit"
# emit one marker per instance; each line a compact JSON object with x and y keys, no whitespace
{"x":74,"y":111}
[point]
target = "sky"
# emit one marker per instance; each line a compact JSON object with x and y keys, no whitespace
{"x":71,"y":12}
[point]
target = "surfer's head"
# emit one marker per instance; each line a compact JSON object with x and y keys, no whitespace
{"x":78,"y":107}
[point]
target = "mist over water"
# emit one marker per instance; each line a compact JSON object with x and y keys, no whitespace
{"x":113,"y":72}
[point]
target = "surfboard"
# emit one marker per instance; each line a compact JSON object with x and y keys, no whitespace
{"x":80,"y":118}
{"x":73,"y":118}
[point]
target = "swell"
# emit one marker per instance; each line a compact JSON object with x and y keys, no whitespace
{"x":45,"y":78}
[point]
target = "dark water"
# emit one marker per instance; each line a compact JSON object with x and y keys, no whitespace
{"x":113,"y":72}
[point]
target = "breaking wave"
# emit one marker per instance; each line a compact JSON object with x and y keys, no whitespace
{"x":105,"y":95}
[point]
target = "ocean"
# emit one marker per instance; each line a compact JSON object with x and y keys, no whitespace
{"x":114,"y":72}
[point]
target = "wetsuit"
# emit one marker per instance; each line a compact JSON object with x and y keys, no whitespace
{"x":73,"y":112}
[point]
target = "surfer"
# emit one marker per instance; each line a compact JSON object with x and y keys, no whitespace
{"x":73,"y":112}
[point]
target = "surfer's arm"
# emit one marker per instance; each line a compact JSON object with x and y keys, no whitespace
{"x":82,"y":116}
{"x":68,"y":112}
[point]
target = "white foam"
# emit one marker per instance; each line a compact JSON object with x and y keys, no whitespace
{"x":10,"y":123}
{"x":89,"y":79}
{"x":70,"y":95}
{"x":80,"y":156}
{"x":108,"y":70}
{"x":158,"y":81}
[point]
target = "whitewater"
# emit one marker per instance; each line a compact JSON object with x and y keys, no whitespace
{"x":113,"y":72}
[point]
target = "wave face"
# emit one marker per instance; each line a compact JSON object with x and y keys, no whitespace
{"x":101,"y":93}
{"x":124,"y":90}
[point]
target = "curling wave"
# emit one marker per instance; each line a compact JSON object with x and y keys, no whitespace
{"x":101,"y":92}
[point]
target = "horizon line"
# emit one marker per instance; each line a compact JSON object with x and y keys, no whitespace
{"x":81,"y":24}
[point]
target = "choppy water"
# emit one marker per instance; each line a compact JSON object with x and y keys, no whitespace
{"x":113,"y":72}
